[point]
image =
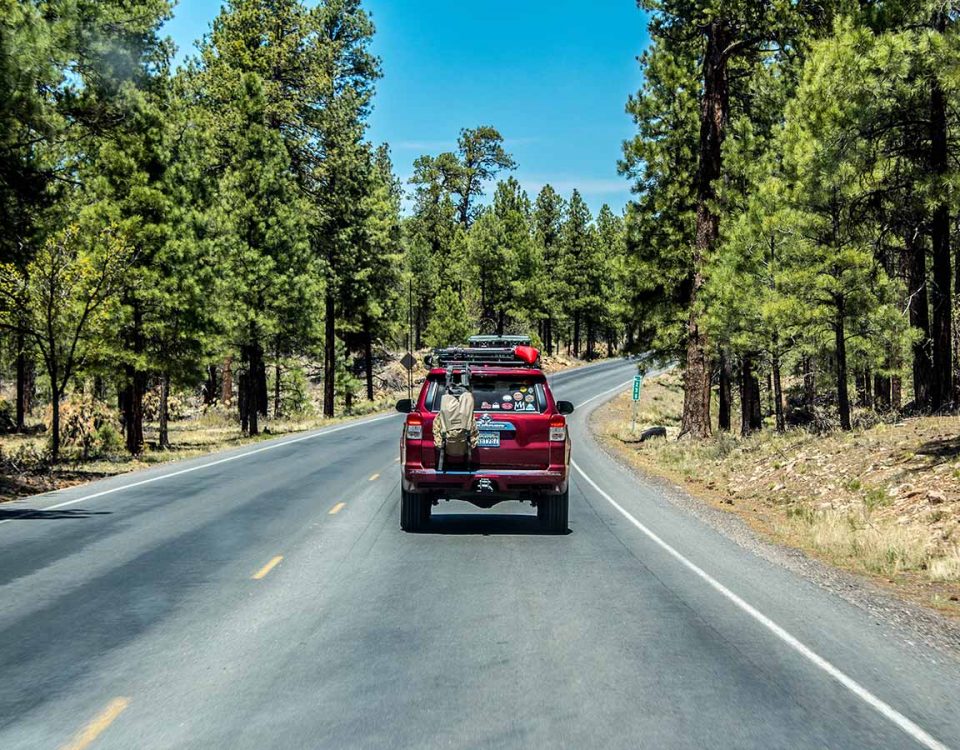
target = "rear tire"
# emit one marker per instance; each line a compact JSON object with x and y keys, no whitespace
{"x":554,"y":512}
{"x":414,"y":511}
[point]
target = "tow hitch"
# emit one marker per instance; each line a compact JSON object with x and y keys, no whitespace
{"x":484,"y":486}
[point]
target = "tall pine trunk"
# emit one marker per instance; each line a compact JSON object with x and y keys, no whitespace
{"x":914,"y":265}
{"x":210,"y":387}
{"x":226,"y":383}
{"x":136,"y":382}
{"x":368,"y":357}
{"x":725,"y":388}
{"x":277,"y":390}
{"x":252,"y":382}
{"x":942,"y":390}
{"x":714,"y":113}
{"x":576,"y":334}
{"x":840,"y":339}
{"x":778,"y":404}
{"x":164,"y":437}
{"x":25,"y":381}
{"x":330,"y":355}
{"x":133,"y":410}
{"x":277,"y":379}
{"x":263,"y":399}
{"x":55,"y":397}
{"x":751,"y":419}
{"x":809,"y":384}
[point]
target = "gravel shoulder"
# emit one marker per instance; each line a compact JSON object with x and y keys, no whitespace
{"x":902,"y":600}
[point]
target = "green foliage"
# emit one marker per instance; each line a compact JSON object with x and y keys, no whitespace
{"x":825,"y":194}
{"x":450,"y":324}
{"x":295,"y":394}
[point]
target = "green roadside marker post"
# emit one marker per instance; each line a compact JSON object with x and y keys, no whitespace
{"x":637,"y":388}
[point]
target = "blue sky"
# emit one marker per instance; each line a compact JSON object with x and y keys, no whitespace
{"x":552,"y":75}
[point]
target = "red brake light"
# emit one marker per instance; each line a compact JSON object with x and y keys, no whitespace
{"x":414,"y":427}
{"x":558,"y":428}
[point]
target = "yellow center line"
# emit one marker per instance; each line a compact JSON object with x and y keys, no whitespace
{"x":374,"y":478}
{"x":262,"y":573}
{"x":337,"y":508}
{"x":95,"y":728}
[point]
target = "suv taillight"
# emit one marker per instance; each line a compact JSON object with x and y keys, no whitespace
{"x":558,"y":428}
{"x":414,"y":427}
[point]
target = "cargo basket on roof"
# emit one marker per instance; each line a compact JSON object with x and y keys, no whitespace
{"x":486,"y":354}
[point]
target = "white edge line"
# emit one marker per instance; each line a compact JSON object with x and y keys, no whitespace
{"x":228,"y":459}
{"x":901,"y":721}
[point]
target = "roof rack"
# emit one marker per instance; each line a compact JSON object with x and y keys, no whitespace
{"x":500,"y":342}
{"x":489,"y":356}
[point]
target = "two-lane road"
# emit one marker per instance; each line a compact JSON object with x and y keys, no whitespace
{"x":266,"y":598}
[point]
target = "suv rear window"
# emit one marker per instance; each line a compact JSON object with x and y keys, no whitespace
{"x":500,"y":394}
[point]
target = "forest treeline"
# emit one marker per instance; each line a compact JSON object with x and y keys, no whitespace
{"x":220,"y":226}
{"x":795,"y":170}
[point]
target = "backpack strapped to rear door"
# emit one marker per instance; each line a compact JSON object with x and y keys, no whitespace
{"x":455,"y":431}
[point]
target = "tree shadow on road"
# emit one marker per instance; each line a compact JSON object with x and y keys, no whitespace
{"x":483,"y":524}
{"x":31,"y":514}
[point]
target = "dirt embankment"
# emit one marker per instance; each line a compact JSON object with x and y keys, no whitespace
{"x":882,"y":501}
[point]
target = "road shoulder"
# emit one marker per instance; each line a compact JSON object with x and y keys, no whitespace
{"x":904,"y":615}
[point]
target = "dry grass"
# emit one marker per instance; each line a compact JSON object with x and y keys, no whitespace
{"x":882,"y":500}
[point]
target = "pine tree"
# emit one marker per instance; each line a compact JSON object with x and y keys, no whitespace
{"x":263,"y":240}
{"x":576,"y":273}
{"x":548,"y":213}
{"x":450,"y":324}
{"x":725,"y":36}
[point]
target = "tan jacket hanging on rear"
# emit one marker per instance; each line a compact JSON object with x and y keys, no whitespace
{"x":455,"y":427}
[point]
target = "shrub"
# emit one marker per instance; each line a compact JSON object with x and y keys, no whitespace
{"x":27,"y":458}
{"x":176,"y":406}
{"x":295,"y":394}
{"x":82,"y":420}
{"x":7,"y":421}
{"x":108,"y":440}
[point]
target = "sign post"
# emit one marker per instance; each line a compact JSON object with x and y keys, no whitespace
{"x":409,"y":362}
{"x":637,"y":388}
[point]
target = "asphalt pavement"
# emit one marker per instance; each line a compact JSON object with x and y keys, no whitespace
{"x":266,"y":598}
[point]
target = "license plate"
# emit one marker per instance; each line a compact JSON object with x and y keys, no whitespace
{"x":489,"y":440}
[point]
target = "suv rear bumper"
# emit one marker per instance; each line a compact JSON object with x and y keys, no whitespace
{"x":508,"y":482}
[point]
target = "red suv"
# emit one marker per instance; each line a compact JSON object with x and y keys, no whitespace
{"x":524,"y":447}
